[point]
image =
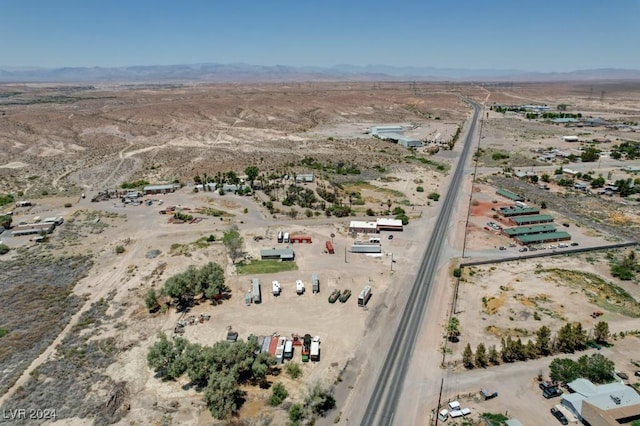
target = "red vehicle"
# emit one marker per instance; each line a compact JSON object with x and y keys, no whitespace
{"x":329,"y":247}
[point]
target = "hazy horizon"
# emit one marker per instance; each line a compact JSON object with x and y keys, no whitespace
{"x":498,"y":35}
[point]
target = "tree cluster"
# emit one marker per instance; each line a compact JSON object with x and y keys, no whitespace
{"x":596,"y":368}
{"x":626,"y":267}
{"x":217,"y":369}
{"x":206,"y":282}
{"x":570,"y":338}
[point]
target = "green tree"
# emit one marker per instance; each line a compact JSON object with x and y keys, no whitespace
{"x":233,"y":242}
{"x":601,"y":332}
{"x":494,"y":356}
{"x":467,"y":356}
{"x":566,"y":341}
{"x":4,"y":249}
{"x":151,"y":300}
{"x":165,"y":356}
{"x":252,"y":173}
{"x":598,"y":182}
{"x":210,"y":281}
{"x":5,"y":221}
{"x":481,"y":356}
{"x":596,"y":368}
{"x":590,"y":154}
{"x":545,"y":178}
{"x":221,"y":395}
{"x":564,"y":370}
{"x":579,"y":336}
{"x":181,"y":287}
{"x":543,"y":340}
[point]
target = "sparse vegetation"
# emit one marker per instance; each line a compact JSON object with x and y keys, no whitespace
{"x":293,"y":370}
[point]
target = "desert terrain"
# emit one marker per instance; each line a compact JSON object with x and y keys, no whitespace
{"x":77,"y":328}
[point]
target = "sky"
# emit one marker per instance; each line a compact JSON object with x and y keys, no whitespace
{"x":543,"y":35}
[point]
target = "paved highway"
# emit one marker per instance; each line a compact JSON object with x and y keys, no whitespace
{"x":387,"y":390}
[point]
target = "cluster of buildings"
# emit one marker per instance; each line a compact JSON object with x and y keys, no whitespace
{"x":530,"y":226}
{"x":370,"y":227}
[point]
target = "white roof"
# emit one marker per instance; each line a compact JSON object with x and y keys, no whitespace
{"x":606,"y":397}
{"x":362,"y":224}
{"x":388,"y":222}
{"x":454,"y":405}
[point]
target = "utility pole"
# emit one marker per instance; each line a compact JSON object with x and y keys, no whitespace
{"x":391,"y":261}
{"x":439,"y":400}
{"x":345,"y":255}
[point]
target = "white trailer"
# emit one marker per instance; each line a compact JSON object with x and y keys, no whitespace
{"x":275,"y":285}
{"x":315,"y":282}
{"x":364,"y":295}
{"x":299,"y":287}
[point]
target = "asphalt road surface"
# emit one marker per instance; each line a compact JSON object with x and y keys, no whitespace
{"x":387,"y":391}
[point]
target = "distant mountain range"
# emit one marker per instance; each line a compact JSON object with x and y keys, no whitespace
{"x":278,"y":73}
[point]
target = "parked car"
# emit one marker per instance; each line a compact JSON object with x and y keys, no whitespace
{"x":502,"y":248}
{"x":637,"y":373}
{"x":573,"y":244}
{"x":566,"y":225}
{"x":558,"y":415}
{"x":523,"y":249}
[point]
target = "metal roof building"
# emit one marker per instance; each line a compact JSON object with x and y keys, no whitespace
{"x":518,"y":211}
{"x":543,"y":238}
{"x":531,"y":219}
{"x":160,"y":189}
{"x":510,"y":195}
{"x":384,"y":224}
{"x":396,"y":134}
{"x":362,"y":226}
{"x":34,"y":228}
{"x":608,"y":404}
{"x":527,"y":230}
{"x":285,"y":254}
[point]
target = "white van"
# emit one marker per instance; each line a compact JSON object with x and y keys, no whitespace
{"x":521,"y":204}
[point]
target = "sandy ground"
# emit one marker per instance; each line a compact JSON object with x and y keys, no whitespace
{"x":184,"y":130}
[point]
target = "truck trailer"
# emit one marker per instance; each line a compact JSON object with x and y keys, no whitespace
{"x":314,"y":354}
{"x":255,"y":291}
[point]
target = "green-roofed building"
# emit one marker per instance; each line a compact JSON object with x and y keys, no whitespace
{"x":531,"y":219}
{"x":510,"y":195}
{"x":518,"y":211}
{"x":543,"y":238}
{"x":528,"y":230}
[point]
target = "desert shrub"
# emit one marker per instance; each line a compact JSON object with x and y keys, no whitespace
{"x":293,"y":370}
{"x":278,"y":394}
{"x":119,"y":249}
{"x":4,"y":249}
{"x":67,"y":205}
{"x":419,"y":189}
{"x":434,"y":196}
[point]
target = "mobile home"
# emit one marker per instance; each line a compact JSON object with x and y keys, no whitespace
{"x":255,"y":291}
